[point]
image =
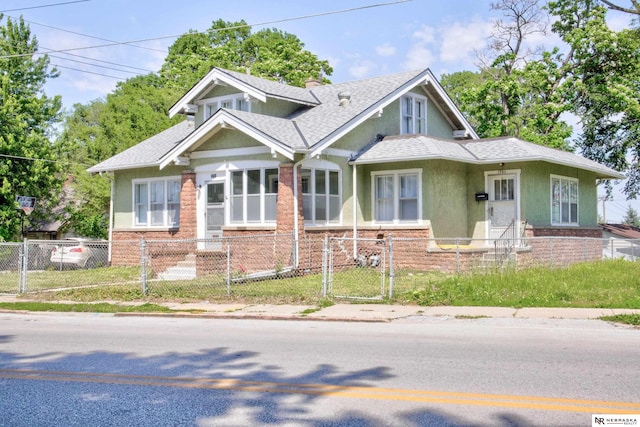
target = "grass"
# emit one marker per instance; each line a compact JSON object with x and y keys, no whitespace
{"x":84,"y":307}
{"x":629,"y":319}
{"x":601,"y":284}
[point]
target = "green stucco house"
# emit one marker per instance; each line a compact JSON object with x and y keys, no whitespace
{"x":389,"y":154}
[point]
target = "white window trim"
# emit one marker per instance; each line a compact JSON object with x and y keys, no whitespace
{"x":396,"y":195}
{"x":234,"y":98}
{"x":563,"y":178}
{"x":414,"y":97}
{"x":165,"y":214}
{"x":244,"y":196}
{"x":314,"y":165}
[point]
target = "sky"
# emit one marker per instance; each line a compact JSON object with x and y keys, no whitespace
{"x":359,"y":38}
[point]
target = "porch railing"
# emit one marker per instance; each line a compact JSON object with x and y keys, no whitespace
{"x":503,"y":245}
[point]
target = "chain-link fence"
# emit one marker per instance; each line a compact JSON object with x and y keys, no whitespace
{"x":279,"y":268}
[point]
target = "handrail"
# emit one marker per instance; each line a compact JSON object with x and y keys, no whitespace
{"x":503,"y":245}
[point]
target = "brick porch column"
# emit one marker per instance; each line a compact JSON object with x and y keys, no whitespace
{"x":188,"y":209}
{"x":285,"y":211}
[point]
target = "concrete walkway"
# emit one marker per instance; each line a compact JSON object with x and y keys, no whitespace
{"x":360,"y":312}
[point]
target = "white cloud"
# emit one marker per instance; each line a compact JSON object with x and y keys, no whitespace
{"x":425,"y":35}
{"x":420,"y":54}
{"x":461,"y":39}
{"x":362,"y":69}
{"x":386,"y":49}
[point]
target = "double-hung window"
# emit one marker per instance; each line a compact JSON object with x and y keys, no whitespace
{"x":231,"y":102}
{"x":414,"y":114}
{"x":254,"y":195}
{"x":321,"y":197}
{"x":397,"y":196}
{"x":157,"y":202}
{"x":564,"y":200}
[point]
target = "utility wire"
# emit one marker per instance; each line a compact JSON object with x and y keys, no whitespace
{"x":89,"y":72}
{"x":90,"y":36}
{"x":98,"y":60}
{"x":93,"y":65}
{"x":44,"y":5}
{"x":43,"y":160}
{"x":315,"y":15}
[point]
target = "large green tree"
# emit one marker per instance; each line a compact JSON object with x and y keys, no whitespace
{"x":517,"y":91}
{"x":606,"y":83}
{"x":268,"y":53}
{"x":28,"y":162}
{"x":136,"y":110}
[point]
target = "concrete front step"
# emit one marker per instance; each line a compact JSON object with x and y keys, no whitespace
{"x":183,"y":270}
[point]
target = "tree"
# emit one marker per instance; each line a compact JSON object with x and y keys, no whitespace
{"x":517,"y":92}
{"x":606,"y":71}
{"x":268,"y":53}
{"x":28,"y":162}
{"x":631,"y":217}
{"x":634,"y":9}
{"x":135,"y":111}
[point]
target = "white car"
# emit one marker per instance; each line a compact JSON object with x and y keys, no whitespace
{"x":79,"y":252}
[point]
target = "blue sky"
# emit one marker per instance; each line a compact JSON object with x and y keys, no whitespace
{"x":364,"y":38}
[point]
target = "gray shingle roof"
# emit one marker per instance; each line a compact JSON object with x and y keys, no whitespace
{"x":321,"y":119}
{"x":482,"y":151}
{"x":319,"y":122}
{"x":280,"y":129}
{"x":273,"y":89}
{"x":148,"y":152}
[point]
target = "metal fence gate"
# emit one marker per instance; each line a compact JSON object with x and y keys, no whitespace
{"x":356,"y":268}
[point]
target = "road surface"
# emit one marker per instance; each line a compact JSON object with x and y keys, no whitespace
{"x":101,"y":370}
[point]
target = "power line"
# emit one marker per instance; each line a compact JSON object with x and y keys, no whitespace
{"x":94,"y":65}
{"x":315,"y":15}
{"x":44,"y":5}
{"x":33,"y":159}
{"x":99,"y":60}
{"x":90,"y":36}
{"x":88,"y":72}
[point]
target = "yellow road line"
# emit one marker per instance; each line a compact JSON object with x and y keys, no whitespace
{"x":357,"y":392}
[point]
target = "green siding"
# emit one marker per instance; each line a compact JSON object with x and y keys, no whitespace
{"x":123,"y":191}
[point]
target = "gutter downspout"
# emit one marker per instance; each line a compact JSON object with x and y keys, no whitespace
{"x":355,"y":213}
{"x":296,"y":224}
{"x":113,"y":184}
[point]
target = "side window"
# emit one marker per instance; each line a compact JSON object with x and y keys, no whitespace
{"x":321,"y":196}
{"x":397,"y":196}
{"x":564,"y":201}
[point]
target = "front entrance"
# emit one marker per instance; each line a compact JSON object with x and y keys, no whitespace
{"x":214,"y":210}
{"x":502,"y":210}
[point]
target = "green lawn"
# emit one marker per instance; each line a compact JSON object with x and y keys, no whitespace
{"x":602,"y":284}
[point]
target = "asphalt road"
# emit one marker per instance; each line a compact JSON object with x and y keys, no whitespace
{"x":100,"y":370}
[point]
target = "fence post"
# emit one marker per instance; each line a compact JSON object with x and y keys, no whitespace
{"x":391,"y":268}
{"x":611,"y":242}
{"x":550,"y":253}
{"x":325,"y":251}
{"x":457,"y":256}
{"x":24,"y":265}
{"x":143,"y":266}
{"x":228,"y":268}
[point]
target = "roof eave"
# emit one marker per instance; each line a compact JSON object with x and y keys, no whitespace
{"x":221,"y":119}
{"x":204,"y":85}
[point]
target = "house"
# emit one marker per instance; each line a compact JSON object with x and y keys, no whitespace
{"x":389,"y":154}
{"x":621,"y":241}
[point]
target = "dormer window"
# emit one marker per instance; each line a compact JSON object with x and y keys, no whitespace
{"x":230,"y":102}
{"x":413,"y":113}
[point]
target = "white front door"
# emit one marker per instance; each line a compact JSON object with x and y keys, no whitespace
{"x":214,"y":210}
{"x":502,"y":207}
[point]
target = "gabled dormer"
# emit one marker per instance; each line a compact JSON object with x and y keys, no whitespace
{"x":237,"y":91}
